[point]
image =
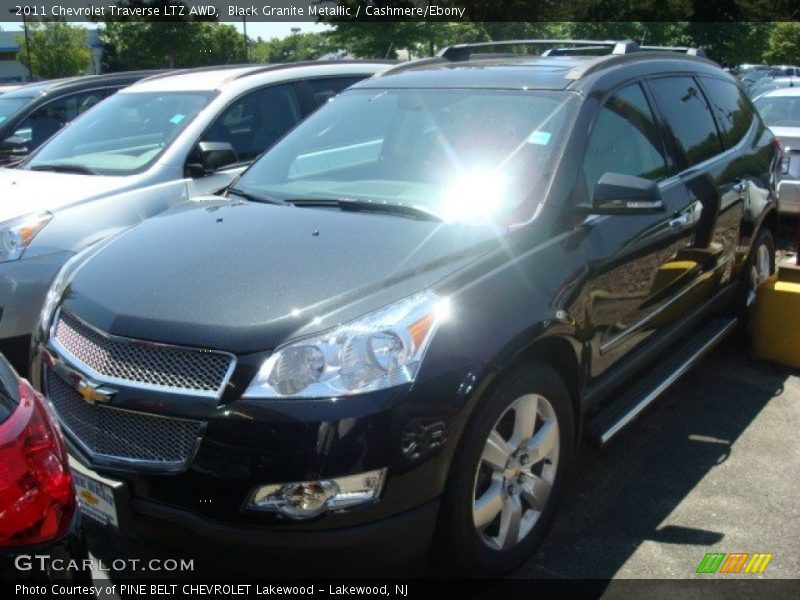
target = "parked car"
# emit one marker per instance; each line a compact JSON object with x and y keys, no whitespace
{"x":39,"y":514}
{"x":768,"y":84}
{"x":396,"y":326}
{"x":31,"y":114}
{"x":780,"y":110}
{"x":142,"y":151}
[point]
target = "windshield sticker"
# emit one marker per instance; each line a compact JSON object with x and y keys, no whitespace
{"x":539,"y":137}
{"x":177,"y":119}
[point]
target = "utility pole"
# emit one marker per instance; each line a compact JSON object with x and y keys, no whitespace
{"x":246,"y":45}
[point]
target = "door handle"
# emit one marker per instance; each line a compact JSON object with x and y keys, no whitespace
{"x":679,"y":222}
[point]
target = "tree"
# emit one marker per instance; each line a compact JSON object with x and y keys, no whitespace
{"x":298,"y":46}
{"x":56,"y":49}
{"x":173,"y":44}
{"x":784,"y":43}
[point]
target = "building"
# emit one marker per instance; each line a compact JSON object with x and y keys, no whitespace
{"x":11,"y":70}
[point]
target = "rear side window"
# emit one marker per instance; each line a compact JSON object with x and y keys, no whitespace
{"x":731,"y":109}
{"x":688,"y":115}
{"x":624,"y":139}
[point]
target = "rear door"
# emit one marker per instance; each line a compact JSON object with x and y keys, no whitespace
{"x":708,"y":124}
{"x":636,"y":267}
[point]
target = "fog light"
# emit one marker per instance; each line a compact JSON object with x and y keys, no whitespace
{"x":306,"y":499}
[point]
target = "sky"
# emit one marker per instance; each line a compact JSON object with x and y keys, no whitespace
{"x":255,"y":29}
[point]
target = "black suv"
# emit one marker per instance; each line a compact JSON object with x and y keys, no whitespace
{"x":395,"y":327}
{"x":30,"y":115}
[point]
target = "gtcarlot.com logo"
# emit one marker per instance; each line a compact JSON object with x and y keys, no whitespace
{"x":27,"y":562}
{"x":735,"y":562}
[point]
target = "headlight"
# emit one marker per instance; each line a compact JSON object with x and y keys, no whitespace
{"x":17,"y":234}
{"x":381,"y":350}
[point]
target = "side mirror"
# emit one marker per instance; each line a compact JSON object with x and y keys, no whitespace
{"x":15,"y":146}
{"x":618,"y":194}
{"x":211,"y":156}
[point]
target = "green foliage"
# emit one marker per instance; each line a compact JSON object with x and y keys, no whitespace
{"x":784,"y":44}
{"x":158,"y":44}
{"x":57,"y":49}
{"x":298,"y":46}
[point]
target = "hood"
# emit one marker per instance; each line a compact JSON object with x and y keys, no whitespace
{"x":246,"y":277}
{"x":789,"y":136}
{"x":23,"y":192}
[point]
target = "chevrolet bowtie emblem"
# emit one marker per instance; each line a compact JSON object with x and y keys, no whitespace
{"x":93,"y":393}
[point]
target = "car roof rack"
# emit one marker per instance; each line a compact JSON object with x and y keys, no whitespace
{"x":560,"y":47}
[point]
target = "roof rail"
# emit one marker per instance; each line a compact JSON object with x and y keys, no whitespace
{"x":559,"y":47}
{"x":690,"y":50}
{"x":461,"y":52}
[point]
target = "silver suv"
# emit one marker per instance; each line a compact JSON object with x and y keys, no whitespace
{"x":138,"y":153}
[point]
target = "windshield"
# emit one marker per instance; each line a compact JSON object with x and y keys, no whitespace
{"x":780,"y":111}
{"x":9,"y":106}
{"x":459,"y":154}
{"x":122,"y":135}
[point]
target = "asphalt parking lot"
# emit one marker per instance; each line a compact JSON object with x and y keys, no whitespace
{"x":713,"y":466}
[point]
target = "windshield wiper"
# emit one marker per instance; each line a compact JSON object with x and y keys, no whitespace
{"x":64,"y":168}
{"x":356,"y":205}
{"x":254,"y":197}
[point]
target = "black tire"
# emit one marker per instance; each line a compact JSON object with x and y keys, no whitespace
{"x":459,"y":545}
{"x":747,"y":284}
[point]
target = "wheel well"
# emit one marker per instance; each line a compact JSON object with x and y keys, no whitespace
{"x":559,"y":354}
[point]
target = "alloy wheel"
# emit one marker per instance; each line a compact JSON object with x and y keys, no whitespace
{"x":516,"y":472}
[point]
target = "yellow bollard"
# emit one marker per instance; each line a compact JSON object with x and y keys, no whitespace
{"x":776,"y":318}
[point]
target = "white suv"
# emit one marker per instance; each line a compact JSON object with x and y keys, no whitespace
{"x":136,"y":154}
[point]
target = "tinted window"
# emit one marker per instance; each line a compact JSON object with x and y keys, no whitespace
{"x":43,"y":122}
{"x":731,"y":109}
{"x":687,"y":113}
{"x":624,"y":139}
{"x":324,"y":89}
{"x":256,"y":121}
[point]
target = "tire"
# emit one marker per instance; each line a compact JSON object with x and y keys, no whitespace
{"x":760,"y":265}
{"x":483,"y":502}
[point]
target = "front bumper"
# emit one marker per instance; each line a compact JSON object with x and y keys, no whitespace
{"x":789,"y":197}
{"x":247,"y":443}
{"x":23,"y":288}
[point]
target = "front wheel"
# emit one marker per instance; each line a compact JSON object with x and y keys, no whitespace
{"x":508,"y":474}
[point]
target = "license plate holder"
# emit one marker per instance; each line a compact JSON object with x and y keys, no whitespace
{"x":103,"y":500}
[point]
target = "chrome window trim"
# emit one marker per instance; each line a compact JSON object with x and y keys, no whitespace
{"x":101,"y":378}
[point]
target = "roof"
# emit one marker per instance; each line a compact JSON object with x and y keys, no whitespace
{"x":503,"y":72}
{"x":215,"y":78}
{"x":526,"y":71}
{"x":784,"y":91}
{"x":39,"y":88}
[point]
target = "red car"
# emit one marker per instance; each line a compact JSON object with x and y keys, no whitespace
{"x":39,"y":514}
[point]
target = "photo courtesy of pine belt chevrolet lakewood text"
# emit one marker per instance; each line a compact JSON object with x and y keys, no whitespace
{"x":390,"y":333}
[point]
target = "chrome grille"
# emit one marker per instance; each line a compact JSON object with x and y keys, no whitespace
{"x":142,"y":363}
{"x":123,"y":435}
